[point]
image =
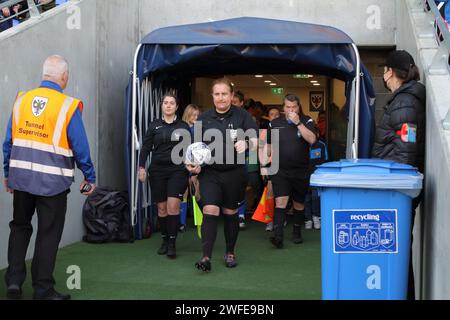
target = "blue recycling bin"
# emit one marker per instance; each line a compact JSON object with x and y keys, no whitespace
{"x":366,"y":228}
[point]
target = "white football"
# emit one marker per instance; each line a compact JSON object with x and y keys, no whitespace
{"x":198,"y":154}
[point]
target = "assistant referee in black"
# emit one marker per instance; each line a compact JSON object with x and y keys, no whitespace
{"x":296,"y":134}
{"x":224,"y":180}
{"x":168,"y":180}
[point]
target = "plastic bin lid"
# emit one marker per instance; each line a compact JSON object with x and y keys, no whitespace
{"x":369,"y":174}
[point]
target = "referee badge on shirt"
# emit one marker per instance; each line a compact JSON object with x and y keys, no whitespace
{"x":233,"y":133}
{"x":176,"y":136}
{"x":38,"y":105}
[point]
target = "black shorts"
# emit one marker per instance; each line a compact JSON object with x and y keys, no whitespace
{"x":224,"y":189}
{"x":168,"y":182}
{"x":292,"y":183}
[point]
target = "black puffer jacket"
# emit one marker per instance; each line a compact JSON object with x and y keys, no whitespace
{"x":407,"y":105}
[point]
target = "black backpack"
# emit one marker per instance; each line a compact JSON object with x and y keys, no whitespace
{"x":106,"y":217}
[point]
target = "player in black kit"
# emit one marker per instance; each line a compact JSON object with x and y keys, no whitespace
{"x":168,"y":180}
{"x":296,"y":134}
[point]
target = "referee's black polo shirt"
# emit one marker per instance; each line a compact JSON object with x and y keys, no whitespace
{"x":235,"y":118}
{"x":294,"y":150}
{"x":158,"y":141}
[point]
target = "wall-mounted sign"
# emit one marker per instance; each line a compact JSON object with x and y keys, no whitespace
{"x":277,"y":91}
{"x":316,"y":101}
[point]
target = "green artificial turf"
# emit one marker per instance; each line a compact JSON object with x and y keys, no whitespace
{"x":135,"y":271}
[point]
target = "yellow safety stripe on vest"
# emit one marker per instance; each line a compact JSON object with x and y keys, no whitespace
{"x":61,"y":120}
{"x":17,"y":108}
{"x":36,"y":167}
{"x":42,"y":147}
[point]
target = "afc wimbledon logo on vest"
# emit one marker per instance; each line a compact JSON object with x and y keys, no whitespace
{"x":38,"y":105}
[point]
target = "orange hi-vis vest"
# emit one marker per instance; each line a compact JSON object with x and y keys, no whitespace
{"x":42,"y":162}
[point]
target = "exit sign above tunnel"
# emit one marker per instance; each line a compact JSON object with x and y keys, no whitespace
{"x":277,"y":91}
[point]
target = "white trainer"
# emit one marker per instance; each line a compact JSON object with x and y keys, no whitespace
{"x":308,"y":224}
{"x":242,"y":223}
{"x":316,"y":222}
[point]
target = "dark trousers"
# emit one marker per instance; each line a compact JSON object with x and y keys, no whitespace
{"x":312,"y":204}
{"x":256,"y":183}
{"x":51,"y":213}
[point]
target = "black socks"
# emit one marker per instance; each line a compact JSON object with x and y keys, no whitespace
{"x":231,"y":231}
{"x":299,"y":217}
{"x":278,"y":222}
{"x":299,"y":220}
{"x":172,"y":227}
{"x":163,"y":228}
{"x":209,"y":233}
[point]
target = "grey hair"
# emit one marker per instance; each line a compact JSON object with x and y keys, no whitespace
{"x":55,"y":65}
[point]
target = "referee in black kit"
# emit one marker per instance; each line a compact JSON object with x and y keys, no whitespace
{"x":224,"y":180}
{"x":296,"y":134}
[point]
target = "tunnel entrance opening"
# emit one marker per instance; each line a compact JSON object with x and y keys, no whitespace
{"x":183,"y":58}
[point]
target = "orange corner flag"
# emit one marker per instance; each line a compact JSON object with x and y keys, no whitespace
{"x":264,"y":211}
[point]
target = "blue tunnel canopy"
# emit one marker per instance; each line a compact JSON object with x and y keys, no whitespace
{"x":247,"y":45}
{"x":247,"y":30}
{"x":250,"y":45}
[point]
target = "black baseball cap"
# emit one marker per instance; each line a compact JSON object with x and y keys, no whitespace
{"x":399,"y":59}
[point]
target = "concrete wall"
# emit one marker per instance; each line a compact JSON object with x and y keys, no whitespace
{"x":432,"y":239}
{"x":22,"y":52}
{"x":436,"y":220}
{"x":117,"y":39}
{"x":367,"y":22}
